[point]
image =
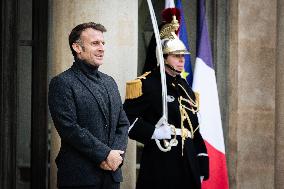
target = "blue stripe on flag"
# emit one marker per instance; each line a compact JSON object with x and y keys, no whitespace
{"x":203,"y":41}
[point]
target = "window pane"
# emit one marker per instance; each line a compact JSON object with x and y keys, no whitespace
{"x":24,"y":74}
{"x":24,"y":116}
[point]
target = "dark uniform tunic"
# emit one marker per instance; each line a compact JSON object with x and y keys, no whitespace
{"x":166,"y":170}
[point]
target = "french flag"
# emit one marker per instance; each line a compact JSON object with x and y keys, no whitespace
{"x":169,"y":4}
{"x":204,"y":82}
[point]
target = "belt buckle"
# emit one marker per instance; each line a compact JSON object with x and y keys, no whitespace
{"x":184,"y":133}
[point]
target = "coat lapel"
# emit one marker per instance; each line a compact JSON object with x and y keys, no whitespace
{"x":89,"y":85}
{"x":114,"y":106}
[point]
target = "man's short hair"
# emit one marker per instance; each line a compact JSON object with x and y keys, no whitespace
{"x":75,"y":34}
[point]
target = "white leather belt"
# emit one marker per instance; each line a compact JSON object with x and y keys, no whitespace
{"x":179,"y":132}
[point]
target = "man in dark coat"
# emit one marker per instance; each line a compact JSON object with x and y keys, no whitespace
{"x":185,"y":164}
{"x":87,"y":112}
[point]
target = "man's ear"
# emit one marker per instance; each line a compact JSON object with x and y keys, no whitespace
{"x":77,"y":48}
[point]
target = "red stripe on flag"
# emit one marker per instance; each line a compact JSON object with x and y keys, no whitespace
{"x":218,"y":176}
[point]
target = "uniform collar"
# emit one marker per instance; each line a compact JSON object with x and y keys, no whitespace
{"x":172,"y":78}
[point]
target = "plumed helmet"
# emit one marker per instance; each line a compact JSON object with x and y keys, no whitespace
{"x":168,"y":35}
{"x":171,"y":44}
{"x":174,"y":46}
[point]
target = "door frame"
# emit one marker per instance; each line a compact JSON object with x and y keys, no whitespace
{"x":39,"y":127}
{"x":8,"y":95}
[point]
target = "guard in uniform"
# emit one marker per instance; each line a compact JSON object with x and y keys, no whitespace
{"x":185,"y":165}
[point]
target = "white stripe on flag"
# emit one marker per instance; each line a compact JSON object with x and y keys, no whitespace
{"x":169,"y":4}
{"x":210,"y":118}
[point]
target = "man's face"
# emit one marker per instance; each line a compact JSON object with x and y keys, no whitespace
{"x":91,"y":48}
{"x":176,"y":61}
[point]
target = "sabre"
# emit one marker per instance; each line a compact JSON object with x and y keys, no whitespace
{"x":163,"y":77}
{"x":161,"y":60}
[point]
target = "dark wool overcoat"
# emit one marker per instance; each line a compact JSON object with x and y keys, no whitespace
{"x":166,"y":170}
{"x":88,"y":126}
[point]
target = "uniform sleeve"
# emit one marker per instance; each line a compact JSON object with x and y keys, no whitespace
{"x":202,"y":155}
{"x":201,"y":150}
{"x":63,"y":112}
{"x":140,"y":129}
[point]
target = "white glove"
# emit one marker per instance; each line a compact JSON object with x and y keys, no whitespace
{"x":201,"y":178}
{"x":162,"y":130}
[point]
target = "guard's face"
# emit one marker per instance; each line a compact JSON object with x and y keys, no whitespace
{"x":91,"y":48}
{"x":176,"y":61}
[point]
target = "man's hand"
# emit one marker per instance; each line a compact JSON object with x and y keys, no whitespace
{"x":105,"y":166}
{"x":114,"y":159}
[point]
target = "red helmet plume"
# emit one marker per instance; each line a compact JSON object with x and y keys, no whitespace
{"x":167,"y":15}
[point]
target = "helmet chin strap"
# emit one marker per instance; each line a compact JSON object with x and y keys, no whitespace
{"x":172,"y":68}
